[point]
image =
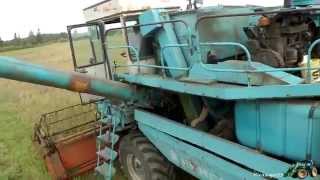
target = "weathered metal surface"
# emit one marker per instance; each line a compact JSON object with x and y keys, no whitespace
{"x":164,"y":34}
{"x":197,"y":162}
{"x":80,"y":84}
{"x":71,"y":159}
{"x":282,"y":128}
{"x":197,"y":152}
{"x":55,"y":167}
{"x":79,"y":156}
{"x":22,"y":71}
{"x":226,"y":91}
{"x":113,"y":7}
{"x":222,"y":72}
{"x":236,"y":153}
{"x":67,"y":140}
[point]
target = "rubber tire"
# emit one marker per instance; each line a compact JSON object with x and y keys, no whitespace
{"x":156,"y":166}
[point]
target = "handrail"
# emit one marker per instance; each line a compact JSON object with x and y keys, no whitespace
{"x":128,"y":47}
{"x":250,"y":68}
{"x":139,"y":65}
{"x":165,"y":47}
{"x":150,"y":24}
{"x":157,"y":23}
{"x":308,"y":68}
{"x":251,"y":65}
{"x":272,"y":70}
{"x":243,"y":47}
{"x":249,"y":59}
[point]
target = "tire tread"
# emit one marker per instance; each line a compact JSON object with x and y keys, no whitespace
{"x":160,"y":167}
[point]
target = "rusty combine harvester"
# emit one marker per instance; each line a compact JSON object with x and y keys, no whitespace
{"x":223,"y":92}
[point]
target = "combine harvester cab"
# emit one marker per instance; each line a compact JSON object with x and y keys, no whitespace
{"x":225,"y":92}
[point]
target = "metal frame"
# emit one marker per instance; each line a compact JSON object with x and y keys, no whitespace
{"x":223,"y":90}
{"x":251,"y":68}
{"x":193,"y":160}
{"x":250,"y":65}
{"x":106,"y":60}
{"x":139,"y":65}
{"x":156,"y":23}
{"x":133,"y":13}
{"x":103,"y":47}
{"x":189,"y":44}
{"x":107,"y":68}
{"x":219,"y":90}
{"x":45,"y":133}
{"x":199,"y":44}
{"x":255,"y":13}
{"x":207,"y":152}
{"x":239,"y":161}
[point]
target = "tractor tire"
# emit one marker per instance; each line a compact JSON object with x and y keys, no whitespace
{"x":140,"y":160}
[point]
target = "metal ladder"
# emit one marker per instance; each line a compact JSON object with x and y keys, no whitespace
{"x":105,"y":145}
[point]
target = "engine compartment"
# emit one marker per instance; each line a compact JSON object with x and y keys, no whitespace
{"x":282,"y":40}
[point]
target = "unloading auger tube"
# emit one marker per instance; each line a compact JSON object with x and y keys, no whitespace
{"x":15,"y":69}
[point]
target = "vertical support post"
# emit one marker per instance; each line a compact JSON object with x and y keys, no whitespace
{"x":287,"y":3}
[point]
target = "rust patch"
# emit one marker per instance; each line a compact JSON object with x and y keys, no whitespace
{"x":72,"y":159}
{"x":55,"y":166}
{"x":79,"y":156}
{"x":79,"y":84}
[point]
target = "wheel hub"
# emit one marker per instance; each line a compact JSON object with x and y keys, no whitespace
{"x":135,"y":168}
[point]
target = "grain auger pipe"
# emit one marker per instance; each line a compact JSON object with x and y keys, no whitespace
{"x":18,"y":70}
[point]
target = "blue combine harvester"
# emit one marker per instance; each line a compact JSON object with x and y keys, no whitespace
{"x":224,"y":92}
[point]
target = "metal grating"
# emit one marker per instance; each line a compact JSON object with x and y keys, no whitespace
{"x":67,"y":123}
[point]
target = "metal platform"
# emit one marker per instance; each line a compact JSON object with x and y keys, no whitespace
{"x":224,"y":90}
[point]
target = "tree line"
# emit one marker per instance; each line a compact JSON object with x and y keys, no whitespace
{"x":34,"y":39}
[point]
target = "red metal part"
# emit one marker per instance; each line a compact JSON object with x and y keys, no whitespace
{"x":55,"y":167}
{"x":67,"y":141}
{"x":78,"y":156}
{"x":71,"y":159}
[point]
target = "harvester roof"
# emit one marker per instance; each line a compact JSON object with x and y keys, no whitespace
{"x":111,"y":10}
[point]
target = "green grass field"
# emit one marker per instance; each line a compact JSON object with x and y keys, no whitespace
{"x":21,"y":105}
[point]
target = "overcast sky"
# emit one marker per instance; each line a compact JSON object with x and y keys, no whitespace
{"x":51,"y":16}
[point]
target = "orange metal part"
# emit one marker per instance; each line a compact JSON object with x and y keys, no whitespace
{"x":72,"y":158}
{"x":55,"y":167}
{"x":78,"y":156}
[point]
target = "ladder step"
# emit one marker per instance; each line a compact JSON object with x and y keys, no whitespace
{"x":108,"y":137}
{"x":107,"y":154}
{"x":103,"y":169}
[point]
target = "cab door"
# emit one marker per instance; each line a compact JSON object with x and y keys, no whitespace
{"x":87,"y":43}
